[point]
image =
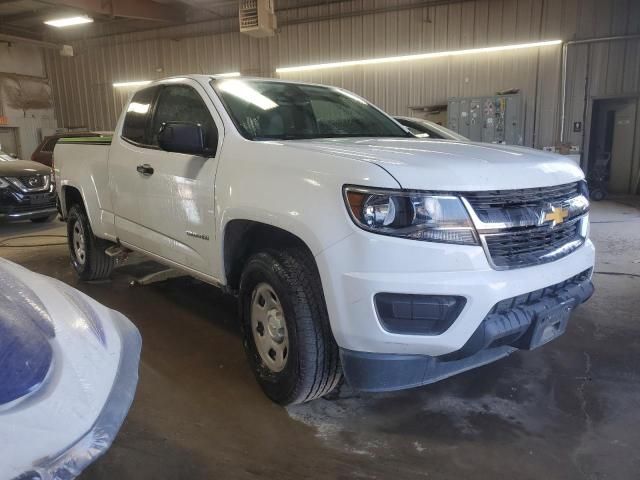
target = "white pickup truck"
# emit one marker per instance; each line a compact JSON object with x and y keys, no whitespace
{"x":355,"y":248}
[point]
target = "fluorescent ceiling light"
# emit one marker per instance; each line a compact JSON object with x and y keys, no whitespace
{"x":227,"y":75}
{"x":69,"y":21}
{"x":241,"y":90}
{"x":419,"y":56}
{"x":138,"y":83}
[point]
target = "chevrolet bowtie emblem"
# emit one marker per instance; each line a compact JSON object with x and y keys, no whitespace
{"x":556,"y":215}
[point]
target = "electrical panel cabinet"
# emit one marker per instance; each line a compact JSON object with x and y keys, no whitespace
{"x":495,"y":119}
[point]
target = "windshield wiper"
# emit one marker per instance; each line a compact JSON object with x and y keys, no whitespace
{"x":328,"y":135}
{"x":283,"y":137}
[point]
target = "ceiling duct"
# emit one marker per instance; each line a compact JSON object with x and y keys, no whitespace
{"x":257,"y":18}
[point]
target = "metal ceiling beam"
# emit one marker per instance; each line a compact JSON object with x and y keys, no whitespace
{"x":20,"y":31}
{"x":37,"y":14}
{"x":138,"y":9}
{"x":6,"y":38}
{"x":207,"y":8}
{"x":370,"y":11}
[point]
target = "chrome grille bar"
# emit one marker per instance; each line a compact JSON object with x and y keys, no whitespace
{"x":514,"y":228}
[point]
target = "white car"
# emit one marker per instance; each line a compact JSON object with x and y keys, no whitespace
{"x":354,"y":247}
{"x":422,"y":128}
{"x":68,"y":374}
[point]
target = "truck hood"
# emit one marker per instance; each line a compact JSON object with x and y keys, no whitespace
{"x":20,"y":168}
{"x":452,"y":165}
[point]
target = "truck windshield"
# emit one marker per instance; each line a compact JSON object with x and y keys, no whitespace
{"x":266,"y":110}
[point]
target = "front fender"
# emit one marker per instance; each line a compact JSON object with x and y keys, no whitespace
{"x":268,"y":183}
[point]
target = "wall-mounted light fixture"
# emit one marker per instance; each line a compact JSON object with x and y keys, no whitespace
{"x":137,"y":83}
{"x":227,"y":75}
{"x":69,"y":21}
{"x":419,"y":56}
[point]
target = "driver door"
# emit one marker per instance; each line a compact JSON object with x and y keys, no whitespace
{"x":176,"y":189}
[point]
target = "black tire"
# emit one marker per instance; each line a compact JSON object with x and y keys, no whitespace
{"x":312,"y":368}
{"x":44,"y":219}
{"x":94,"y":264}
{"x":597,"y":195}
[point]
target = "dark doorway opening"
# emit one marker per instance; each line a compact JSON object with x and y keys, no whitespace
{"x":612,"y":144}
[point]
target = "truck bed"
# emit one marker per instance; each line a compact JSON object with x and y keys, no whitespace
{"x":82,"y":163}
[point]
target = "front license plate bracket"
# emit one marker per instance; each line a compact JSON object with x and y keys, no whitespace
{"x":547,"y":326}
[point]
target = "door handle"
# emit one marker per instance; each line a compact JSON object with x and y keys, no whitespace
{"x":145,"y":169}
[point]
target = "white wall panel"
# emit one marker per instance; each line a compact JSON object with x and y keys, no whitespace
{"x":24,"y":66}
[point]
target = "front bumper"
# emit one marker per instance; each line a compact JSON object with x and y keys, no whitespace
{"x":28,"y":215}
{"x":355,"y":269}
{"x":524,"y":322}
{"x":17,"y":205}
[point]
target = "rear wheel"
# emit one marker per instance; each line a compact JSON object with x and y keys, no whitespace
{"x":286,"y":328}
{"x":86,"y":250}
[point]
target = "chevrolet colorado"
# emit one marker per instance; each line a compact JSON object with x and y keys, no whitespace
{"x":355,"y":248}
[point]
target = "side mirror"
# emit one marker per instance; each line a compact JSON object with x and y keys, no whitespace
{"x":184,"y":137}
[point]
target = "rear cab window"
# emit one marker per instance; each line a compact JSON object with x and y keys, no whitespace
{"x":136,"y":121}
{"x":49,"y":145}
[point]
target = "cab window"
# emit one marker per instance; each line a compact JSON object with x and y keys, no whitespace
{"x":181,"y":103}
{"x":135,"y":124}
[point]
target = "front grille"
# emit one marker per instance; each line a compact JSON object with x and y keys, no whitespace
{"x":29,"y":203}
{"x":501,"y":205}
{"x":514,"y":227}
{"x":533,"y":245}
{"x":31,"y":208}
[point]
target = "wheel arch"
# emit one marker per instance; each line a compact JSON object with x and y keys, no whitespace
{"x":70,"y":195}
{"x":242,"y":238}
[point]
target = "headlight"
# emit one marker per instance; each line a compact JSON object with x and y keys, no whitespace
{"x":417,"y":216}
{"x":3,"y":183}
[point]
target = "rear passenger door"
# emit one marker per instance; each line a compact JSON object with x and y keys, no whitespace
{"x":177,"y":199}
{"x":132,"y":147}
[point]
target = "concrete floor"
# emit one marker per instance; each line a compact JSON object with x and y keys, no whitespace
{"x":570,"y":410}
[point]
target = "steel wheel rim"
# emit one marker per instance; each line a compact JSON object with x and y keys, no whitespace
{"x":269,"y":328}
{"x":79,"y":245}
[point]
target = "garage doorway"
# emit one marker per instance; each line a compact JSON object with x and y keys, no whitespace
{"x":9,"y":141}
{"x":612,"y":144}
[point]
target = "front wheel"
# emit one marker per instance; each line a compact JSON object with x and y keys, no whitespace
{"x":86,"y":250}
{"x":286,"y":328}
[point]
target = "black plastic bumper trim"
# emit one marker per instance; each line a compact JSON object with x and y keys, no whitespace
{"x":499,"y":335}
{"x":27,"y":215}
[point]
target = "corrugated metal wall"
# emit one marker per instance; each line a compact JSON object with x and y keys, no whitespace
{"x":22,"y":80}
{"x":340,"y":31}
